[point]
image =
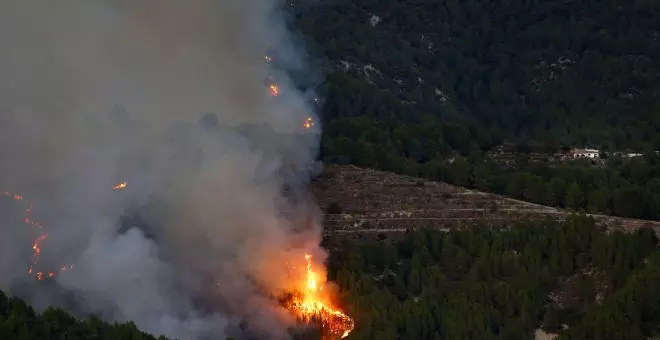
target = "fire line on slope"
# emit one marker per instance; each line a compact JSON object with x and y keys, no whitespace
{"x":37,"y":244}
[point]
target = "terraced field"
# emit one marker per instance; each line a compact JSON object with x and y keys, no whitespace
{"x":359,"y":200}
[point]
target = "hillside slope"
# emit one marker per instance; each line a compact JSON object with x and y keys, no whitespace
{"x":570,"y":71}
{"x":363,"y":200}
{"x":499,"y":86}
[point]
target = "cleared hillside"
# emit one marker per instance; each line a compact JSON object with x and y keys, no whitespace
{"x":363,"y":200}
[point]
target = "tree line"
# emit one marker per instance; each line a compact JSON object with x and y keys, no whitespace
{"x":617,"y":186}
{"x":19,"y":321}
{"x":568,"y":278}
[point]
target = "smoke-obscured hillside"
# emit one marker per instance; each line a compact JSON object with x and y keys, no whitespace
{"x":425,"y":260}
{"x":93,"y":94}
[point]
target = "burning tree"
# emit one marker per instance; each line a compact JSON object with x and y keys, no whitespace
{"x":311,"y":305}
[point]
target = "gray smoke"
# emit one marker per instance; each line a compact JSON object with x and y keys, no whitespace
{"x":94,"y":93}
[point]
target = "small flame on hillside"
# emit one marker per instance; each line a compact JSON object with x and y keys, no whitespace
{"x":38,"y":243}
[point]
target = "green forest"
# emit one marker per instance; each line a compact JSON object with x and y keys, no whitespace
{"x":410,"y":86}
{"x":19,"y":321}
{"x":564,"y":277}
{"x":575,"y":72}
{"x":628,"y":188}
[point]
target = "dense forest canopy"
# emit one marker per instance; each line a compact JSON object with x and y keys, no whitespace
{"x":430,"y":88}
{"x":561,"y":277}
{"x":569,"y":278}
{"x":577,"y":72}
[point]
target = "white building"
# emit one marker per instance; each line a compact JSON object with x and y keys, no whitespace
{"x":584,"y":153}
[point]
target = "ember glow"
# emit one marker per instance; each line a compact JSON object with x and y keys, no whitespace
{"x":206,"y":121}
{"x":38,"y":243}
{"x":309,"y":123}
{"x":120,"y":186}
{"x":274,"y":90}
{"x":310,"y":304}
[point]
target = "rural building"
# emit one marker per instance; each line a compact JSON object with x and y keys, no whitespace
{"x":584,"y":153}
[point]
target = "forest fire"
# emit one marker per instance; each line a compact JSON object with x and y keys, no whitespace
{"x":311,"y":305}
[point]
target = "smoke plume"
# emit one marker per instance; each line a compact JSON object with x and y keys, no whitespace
{"x":169,"y":96}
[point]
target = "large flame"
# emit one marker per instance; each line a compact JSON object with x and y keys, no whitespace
{"x":310,"y":304}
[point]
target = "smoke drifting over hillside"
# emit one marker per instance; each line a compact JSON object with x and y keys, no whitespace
{"x":95,"y":93}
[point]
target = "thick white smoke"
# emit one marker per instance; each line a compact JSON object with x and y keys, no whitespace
{"x":93,"y":93}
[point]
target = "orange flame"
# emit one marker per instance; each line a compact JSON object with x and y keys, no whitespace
{"x":37,"y":244}
{"x":309,"y":123}
{"x":309,"y":304}
{"x":120,"y":186}
{"x":274,"y":90}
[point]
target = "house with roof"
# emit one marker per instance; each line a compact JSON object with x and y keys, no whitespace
{"x":584,"y":153}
